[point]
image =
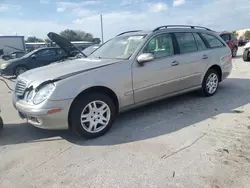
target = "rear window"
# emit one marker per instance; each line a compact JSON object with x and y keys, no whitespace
{"x":213,"y":41}
{"x":225,"y":37}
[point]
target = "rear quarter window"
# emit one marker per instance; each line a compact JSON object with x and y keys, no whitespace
{"x":225,"y":37}
{"x":213,"y":41}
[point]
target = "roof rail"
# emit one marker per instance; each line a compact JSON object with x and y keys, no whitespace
{"x":128,"y":32}
{"x":190,"y":26}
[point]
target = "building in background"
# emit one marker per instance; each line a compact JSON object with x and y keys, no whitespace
{"x":9,"y":44}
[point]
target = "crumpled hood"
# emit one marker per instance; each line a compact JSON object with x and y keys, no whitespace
{"x":63,"y":69}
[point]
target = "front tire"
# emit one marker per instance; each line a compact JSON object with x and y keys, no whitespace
{"x":6,"y":58}
{"x":210,"y":83}
{"x":92,"y":115}
{"x":246,"y":55}
{"x":19,"y":70}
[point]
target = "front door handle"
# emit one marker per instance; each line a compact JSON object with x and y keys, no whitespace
{"x":174,"y":63}
{"x":204,"y":57}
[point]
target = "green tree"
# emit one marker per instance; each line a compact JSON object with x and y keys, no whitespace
{"x":77,"y":35}
{"x":34,"y":39}
{"x":47,"y":40}
{"x":247,"y":35}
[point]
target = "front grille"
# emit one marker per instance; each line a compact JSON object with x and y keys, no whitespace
{"x":20,"y":88}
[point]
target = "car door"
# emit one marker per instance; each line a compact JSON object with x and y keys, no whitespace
{"x":158,"y":77}
{"x":193,"y":59}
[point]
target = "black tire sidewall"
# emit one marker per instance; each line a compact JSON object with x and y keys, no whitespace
{"x":246,"y":55}
{"x":204,"y":83}
{"x":6,"y":58}
{"x":78,"y":107}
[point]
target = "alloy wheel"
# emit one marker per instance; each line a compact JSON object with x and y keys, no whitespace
{"x":95,"y":116}
{"x":212,"y":83}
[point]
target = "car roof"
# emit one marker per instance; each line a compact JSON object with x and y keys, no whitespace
{"x":168,"y":28}
{"x":225,"y":32}
{"x":48,"y":48}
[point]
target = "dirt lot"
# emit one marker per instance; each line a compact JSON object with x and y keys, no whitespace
{"x":182,"y":142}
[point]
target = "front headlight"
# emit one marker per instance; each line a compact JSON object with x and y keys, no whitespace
{"x":43,"y":93}
{"x":3,"y":66}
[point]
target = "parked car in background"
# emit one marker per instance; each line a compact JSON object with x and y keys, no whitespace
{"x":242,"y":42}
{"x":31,"y":60}
{"x":246,"y":54}
{"x":132,"y":69}
{"x":89,"y":50}
{"x":13,"y":55}
{"x":231,"y":41}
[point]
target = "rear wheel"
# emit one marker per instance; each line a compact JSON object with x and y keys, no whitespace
{"x":92,"y":115}
{"x":234,"y":51}
{"x":210,"y":83}
{"x":246,"y":55}
{"x":19,"y":70}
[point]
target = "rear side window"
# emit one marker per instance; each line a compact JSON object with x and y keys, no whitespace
{"x":225,"y":37}
{"x":61,"y":52}
{"x":212,"y":41}
{"x":186,"y":42}
{"x":160,"y":46}
{"x":46,"y":52}
{"x":233,"y":37}
{"x":200,"y":43}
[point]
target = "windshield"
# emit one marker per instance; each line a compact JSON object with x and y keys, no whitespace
{"x":30,"y":53}
{"x":87,"y":51}
{"x":118,"y":48}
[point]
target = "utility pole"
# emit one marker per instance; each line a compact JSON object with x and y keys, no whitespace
{"x":102,"y":28}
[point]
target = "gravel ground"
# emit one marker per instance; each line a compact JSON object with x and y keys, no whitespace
{"x":182,"y":142}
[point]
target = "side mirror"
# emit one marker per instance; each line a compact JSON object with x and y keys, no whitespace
{"x":33,"y":56}
{"x":145,"y":57}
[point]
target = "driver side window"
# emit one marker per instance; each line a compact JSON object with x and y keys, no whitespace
{"x":160,"y":46}
{"x":46,"y":52}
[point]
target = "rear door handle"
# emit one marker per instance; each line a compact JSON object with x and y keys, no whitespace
{"x":204,"y":57}
{"x":174,"y":63}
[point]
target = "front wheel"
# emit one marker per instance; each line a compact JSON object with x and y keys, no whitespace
{"x":210,"y":83}
{"x":6,"y":58}
{"x":92,"y":115}
{"x":19,"y":70}
{"x":246,"y":55}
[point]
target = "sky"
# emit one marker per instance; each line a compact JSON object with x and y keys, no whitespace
{"x":38,"y":17}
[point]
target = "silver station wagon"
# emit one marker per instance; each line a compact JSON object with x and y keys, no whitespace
{"x":132,"y":69}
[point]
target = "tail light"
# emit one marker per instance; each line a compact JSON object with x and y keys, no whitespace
{"x":230,"y":57}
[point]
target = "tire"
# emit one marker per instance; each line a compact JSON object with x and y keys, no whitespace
{"x":234,"y":51}
{"x":19,"y":70}
{"x":246,"y":55}
{"x":6,"y":58}
{"x":80,"y":111}
{"x":205,"y":88}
